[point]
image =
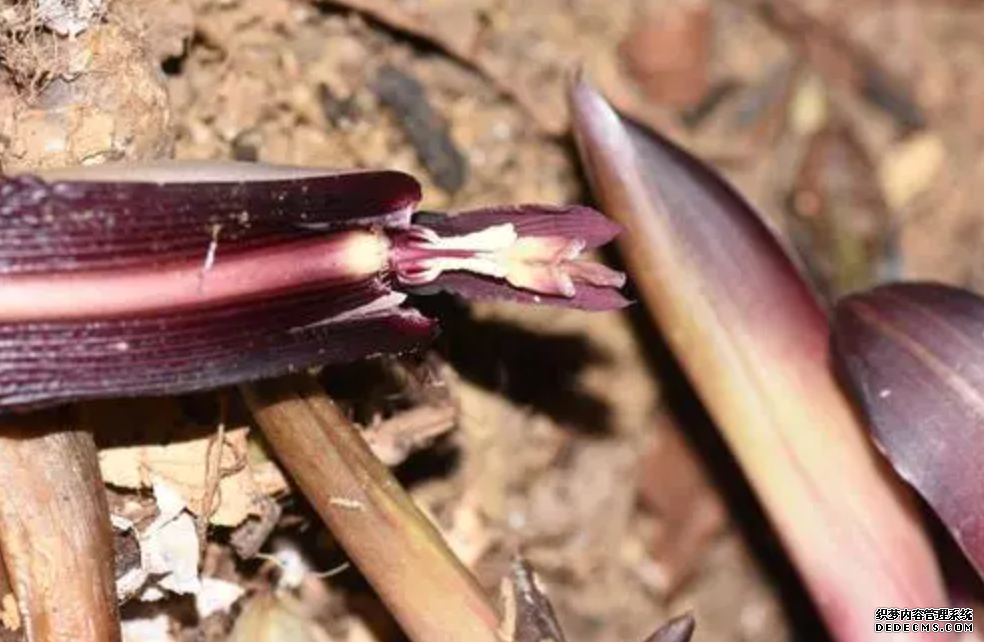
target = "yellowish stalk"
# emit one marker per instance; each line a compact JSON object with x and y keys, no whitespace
{"x":754,"y":343}
{"x":404,"y":557}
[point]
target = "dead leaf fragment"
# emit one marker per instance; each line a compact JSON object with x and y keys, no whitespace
{"x":10,"y":615}
{"x":68,"y":17}
{"x":272,"y":618}
{"x":250,"y":536}
{"x":217,"y":596}
{"x":841,"y":223}
{"x":669,"y":53}
{"x":809,"y":109}
{"x":181,"y":464}
{"x":148,"y":629}
{"x":910,"y":168}
{"x":167,"y":550}
{"x":396,"y":438}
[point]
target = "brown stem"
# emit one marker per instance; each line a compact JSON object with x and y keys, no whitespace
{"x":430,"y":593}
{"x":55,"y":536}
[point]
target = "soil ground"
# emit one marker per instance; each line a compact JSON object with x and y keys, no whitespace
{"x":577,"y":441}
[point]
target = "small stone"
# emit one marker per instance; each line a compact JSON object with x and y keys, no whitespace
{"x":669,"y":53}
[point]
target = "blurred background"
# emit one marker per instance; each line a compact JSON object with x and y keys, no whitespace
{"x":855,"y":127}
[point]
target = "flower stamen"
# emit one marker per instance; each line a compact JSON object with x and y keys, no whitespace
{"x":541,"y":264}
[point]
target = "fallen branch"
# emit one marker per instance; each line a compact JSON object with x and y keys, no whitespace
{"x":54,"y":530}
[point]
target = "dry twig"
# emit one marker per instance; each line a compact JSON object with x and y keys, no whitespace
{"x":400,"y":552}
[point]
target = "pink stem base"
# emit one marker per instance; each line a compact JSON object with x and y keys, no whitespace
{"x":344,"y":256}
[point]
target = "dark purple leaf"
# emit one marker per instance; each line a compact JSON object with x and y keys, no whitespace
{"x":527,"y":608}
{"x":44,"y":363}
{"x":480,"y":288}
{"x":913,"y":355}
{"x":679,"y":629}
{"x":75,"y":225}
{"x":573,"y":221}
{"x":530,"y":617}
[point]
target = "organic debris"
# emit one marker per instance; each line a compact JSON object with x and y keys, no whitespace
{"x":424,"y":128}
{"x":246,"y":475}
{"x":689,"y":513}
{"x":841,"y":61}
{"x":840,"y":216}
{"x":910,"y":168}
{"x":272,"y":618}
{"x":169,"y":551}
{"x":69,"y":17}
{"x":68,"y":115}
{"x":669,"y":53}
{"x":9,"y":615}
{"x":396,"y":438}
{"x":529,"y":616}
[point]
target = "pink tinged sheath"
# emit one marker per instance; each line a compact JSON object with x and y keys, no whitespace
{"x":341,"y":257}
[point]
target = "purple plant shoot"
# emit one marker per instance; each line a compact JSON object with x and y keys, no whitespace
{"x":157,"y":279}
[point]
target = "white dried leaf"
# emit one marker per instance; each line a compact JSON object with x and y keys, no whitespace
{"x":169,"y":551}
{"x":216,"y":596}
{"x":148,"y":629}
{"x":293,"y":567}
{"x":170,"y":556}
{"x":130,"y":583}
{"x":170,"y":504}
{"x":69,"y":17}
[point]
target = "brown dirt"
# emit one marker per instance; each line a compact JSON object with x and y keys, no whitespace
{"x":561,"y":412}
